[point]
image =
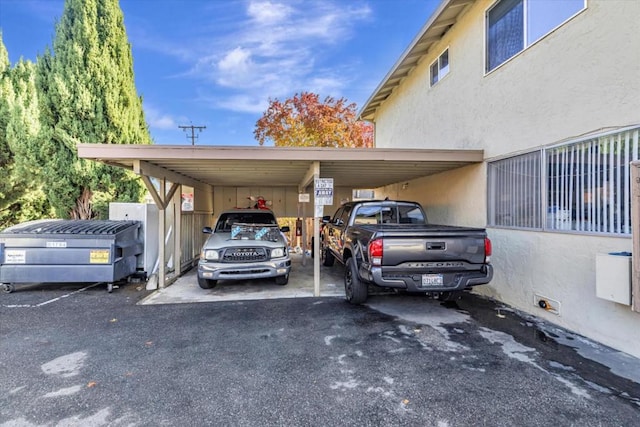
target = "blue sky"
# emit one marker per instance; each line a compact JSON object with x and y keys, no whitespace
{"x":215,"y":63}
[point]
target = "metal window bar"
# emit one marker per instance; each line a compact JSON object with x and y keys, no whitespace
{"x":626,"y":184}
{"x":596,"y":178}
{"x":570,"y":184}
{"x":609,"y":208}
{"x":618,"y":185}
{"x":583,"y":182}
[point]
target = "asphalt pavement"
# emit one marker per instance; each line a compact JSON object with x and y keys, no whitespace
{"x":75,"y":355}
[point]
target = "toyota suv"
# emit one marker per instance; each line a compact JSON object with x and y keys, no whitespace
{"x":245,"y":244}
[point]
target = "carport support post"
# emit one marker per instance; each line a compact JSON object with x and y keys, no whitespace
{"x":316,"y":258}
{"x":177,"y":227}
{"x":316,"y":234}
{"x":312,"y":176}
{"x":162,"y":231}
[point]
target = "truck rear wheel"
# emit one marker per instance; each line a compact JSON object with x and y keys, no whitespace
{"x":354,"y":289}
{"x":327,"y":257}
{"x":207,"y":283}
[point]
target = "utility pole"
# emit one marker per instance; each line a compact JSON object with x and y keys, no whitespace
{"x":193,"y":133}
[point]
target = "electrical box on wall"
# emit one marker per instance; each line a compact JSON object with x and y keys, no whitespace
{"x":613,"y":277}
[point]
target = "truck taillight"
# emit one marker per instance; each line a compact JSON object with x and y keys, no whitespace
{"x":487,"y":249}
{"x":375,"y":252}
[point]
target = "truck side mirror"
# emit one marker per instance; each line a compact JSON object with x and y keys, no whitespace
{"x":326,"y":219}
{"x":207,"y":230}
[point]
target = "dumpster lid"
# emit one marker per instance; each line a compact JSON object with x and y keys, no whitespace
{"x":71,"y":226}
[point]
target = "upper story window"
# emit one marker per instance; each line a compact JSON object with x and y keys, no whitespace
{"x":440,"y":67}
{"x":513,"y":25}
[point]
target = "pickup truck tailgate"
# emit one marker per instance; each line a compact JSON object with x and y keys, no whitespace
{"x":431,"y":243}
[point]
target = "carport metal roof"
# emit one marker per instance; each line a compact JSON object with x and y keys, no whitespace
{"x":247,"y":166}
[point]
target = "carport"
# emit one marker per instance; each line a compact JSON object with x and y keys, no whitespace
{"x":225,"y":176}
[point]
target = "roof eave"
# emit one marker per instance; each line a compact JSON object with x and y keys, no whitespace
{"x":410,"y":58}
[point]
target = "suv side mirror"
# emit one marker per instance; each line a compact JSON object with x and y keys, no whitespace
{"x":207,"y":230}
{"x":285,"y":229}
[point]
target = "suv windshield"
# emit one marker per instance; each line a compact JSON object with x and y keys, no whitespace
{"x":227,"y":220}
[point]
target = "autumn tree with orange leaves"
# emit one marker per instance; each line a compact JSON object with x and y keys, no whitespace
{"x":305,"y":121}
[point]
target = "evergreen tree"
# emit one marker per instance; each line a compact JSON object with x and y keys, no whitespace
{"x":21,"y":196}
{"x":6,"y":157}
{"x":87,"y":95}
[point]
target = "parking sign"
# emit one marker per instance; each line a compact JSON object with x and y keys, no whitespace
{"x":324,"y":191}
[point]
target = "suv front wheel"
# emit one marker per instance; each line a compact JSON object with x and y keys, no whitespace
{"x":282,"y":280}
{"x":207,"y":283}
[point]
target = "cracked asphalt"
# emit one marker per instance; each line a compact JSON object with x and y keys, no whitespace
{"x":83,"y":357}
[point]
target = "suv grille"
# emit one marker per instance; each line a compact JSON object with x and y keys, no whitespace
{"x":244,"y":255}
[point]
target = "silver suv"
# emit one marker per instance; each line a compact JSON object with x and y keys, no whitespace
{"x":245,"y":244}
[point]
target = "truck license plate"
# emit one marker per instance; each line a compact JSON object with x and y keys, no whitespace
{"x":432,"y":280}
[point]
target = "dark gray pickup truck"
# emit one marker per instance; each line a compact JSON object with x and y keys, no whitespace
{"x":390,"y":244}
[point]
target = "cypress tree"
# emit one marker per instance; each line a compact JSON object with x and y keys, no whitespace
{"x":6,"y":157}
{"x":87,"y":95}
{"x":21,"y":196}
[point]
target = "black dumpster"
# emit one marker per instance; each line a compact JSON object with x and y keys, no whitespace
{"x":69,"y":251}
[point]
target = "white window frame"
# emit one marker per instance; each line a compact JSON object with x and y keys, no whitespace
{"x":527,"y":43}
{"x":585,"y":186}
{"x":441,"y":70}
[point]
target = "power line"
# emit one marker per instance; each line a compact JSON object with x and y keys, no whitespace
{"x":193,"y":132}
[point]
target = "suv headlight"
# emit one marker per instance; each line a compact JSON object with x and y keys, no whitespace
{"x":211,"y":255}
{"x":278,"y":252}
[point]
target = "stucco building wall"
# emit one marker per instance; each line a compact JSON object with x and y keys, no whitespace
{"x":580,"y":78}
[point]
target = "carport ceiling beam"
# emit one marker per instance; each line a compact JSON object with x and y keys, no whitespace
{"x":312,"y":173}
{"x":142,"y":167}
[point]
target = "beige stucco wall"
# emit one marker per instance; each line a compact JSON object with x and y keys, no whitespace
{"x":454,"y":197}
{"x":582,"y":77}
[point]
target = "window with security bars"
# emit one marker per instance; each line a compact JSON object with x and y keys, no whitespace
{"x":585,"y":186}
{"x":588,"y":184}
{"x":515,"y":192}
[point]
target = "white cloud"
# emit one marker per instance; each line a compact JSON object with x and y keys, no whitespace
{"x":242,"y":103}
{"x":158,"y":120}
{"x":235,"y":68}
{"x":267,"y":49}
{"x":238,"y":59}
{"x":277,"y":51}
{"x":266,"y":11}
